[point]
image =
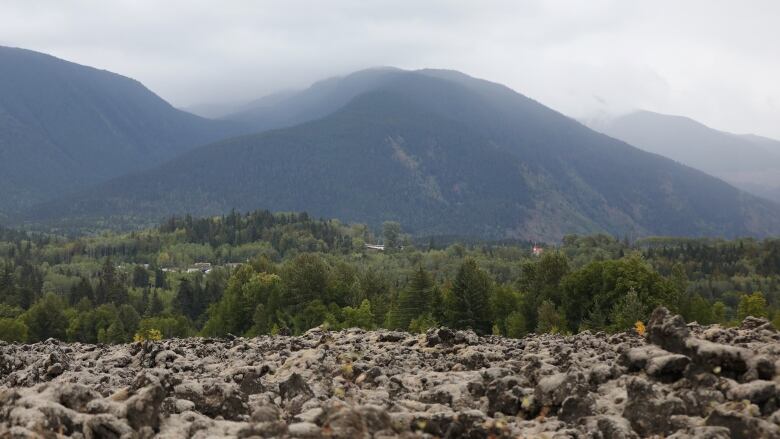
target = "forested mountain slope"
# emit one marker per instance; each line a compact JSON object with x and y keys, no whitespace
{"x":64,"y":126}
{"x":749,"y":162}
{"x":443,"y":153}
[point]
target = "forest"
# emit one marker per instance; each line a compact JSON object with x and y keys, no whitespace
{"x":249,"y":274}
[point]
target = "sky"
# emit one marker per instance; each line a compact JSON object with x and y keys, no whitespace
{"x":714,"y":61}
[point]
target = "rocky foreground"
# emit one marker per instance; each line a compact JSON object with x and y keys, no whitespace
{"x":677,"y":381}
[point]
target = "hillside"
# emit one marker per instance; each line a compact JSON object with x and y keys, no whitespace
{"x":64,"y":126}
{"x":749,"y":162}
{"x":443,"y":153}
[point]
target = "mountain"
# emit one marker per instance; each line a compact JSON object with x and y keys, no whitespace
{"x":64,"y":126}
{"x":749,"y":162}
{"x":443,"y":153}
{"x":289,"y":108}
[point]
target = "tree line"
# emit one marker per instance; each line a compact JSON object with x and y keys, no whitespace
{"x":286,"y":273}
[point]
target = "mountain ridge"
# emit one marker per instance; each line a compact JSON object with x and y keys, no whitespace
{"x":64,"y":126}
{"x":749,"y":162}
{"x":441,"y":152}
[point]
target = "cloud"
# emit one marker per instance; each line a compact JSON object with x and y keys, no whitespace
{"x":711,"y":60}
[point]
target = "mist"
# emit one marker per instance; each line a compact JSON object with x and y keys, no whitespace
{"x":714,"y":61}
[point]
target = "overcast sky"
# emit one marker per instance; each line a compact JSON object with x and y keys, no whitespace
{"x":715,"y":61}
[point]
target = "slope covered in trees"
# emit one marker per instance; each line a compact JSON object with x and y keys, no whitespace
{"x":442,"y":153}
{"x":264,"y":273}
{"x":64,"y":126}
{"x":748,"y":162}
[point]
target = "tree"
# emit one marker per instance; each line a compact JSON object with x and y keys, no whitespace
{"x":115,"y":333}
{"x":627,"y":311}
{"x":515,"y":325}
{"x":752,"y":305}
{"x":591,"y":293}
{"x":305,"y":279}
{"x":8,"y":294}
{"x":391,"y":232}
{"x":376,"y":289}
{"x":237,"y":310}
{"x":359,"y":317}
{"x":110,"y":288}
{"x":159,"y":278}
{"x":140,"y":277}
{"x":81,"y":290}
{"x":549,"y":319}
{"x":184,"y":302}
{"x":12,"y":330}
{"x":156,"y":306}
{"x":679,"y":284}
{"x":503,"y":303}
{"x":413,"y":301}
{"x":46,"y":319}
{"x":469,"y":306}
{"x":540,"y":281}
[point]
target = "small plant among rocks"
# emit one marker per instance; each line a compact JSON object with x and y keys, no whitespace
{"x":147,"y":335}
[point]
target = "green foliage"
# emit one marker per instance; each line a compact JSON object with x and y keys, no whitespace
{"x":549,"y":319}
{"x":516,"y":325}
{"x":469,"y":300}
{"x":413,"y":301}
{"x":12,"y":330}
{"x":360,"y":317}
{"x":46,"y":319}
{"x":422,"y":323}
{"x":309,"y":273}
{"x":592,"y":293}
{"x":391,"y":232}
{"x":752,"y":305}
{"x":627,"y":311}
{"x":169,"y":326}
{"x":539,"y":281}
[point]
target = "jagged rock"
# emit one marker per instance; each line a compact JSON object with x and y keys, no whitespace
{"x":575,"y":408}
{"x":294,"y":386}
{"x":143,"y":408}
{"x":754,"y":323}
{"x":757,"y":392}
{"x":668,"y":367}
{"x":614,"y":427}
{"x":553,"y":390}
{"x":436,"y":336}
{"x":75,"y":396}
{"x":678,"y":381}
{"x":742,"y":422}
{"x":648,"y":411}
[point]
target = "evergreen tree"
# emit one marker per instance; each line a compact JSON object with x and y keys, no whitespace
{"x":140,"y":277}
{"x":470,"y":306}
{"x":549,"y":319}
{"x":156,"y":306}
{"x":8,"y":294}
{"x":46,"y":319}
{"x":413,"y":301}
{"x":159,"y":278}
{"x":184,"y":302}
{"x":81,"y":290}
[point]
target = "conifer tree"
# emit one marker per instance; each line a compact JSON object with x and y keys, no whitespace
{"x":413,"y":301}
{"x":470,"y":307}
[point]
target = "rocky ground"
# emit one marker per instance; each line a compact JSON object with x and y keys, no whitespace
{"x":677,"y":381}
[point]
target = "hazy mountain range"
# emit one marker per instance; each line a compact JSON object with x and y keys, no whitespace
{"x":439,"y":151}
{"x":64,"y":126}
{"x":749,"y":162}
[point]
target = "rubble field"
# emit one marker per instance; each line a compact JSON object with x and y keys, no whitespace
{"x":677,"y":380}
